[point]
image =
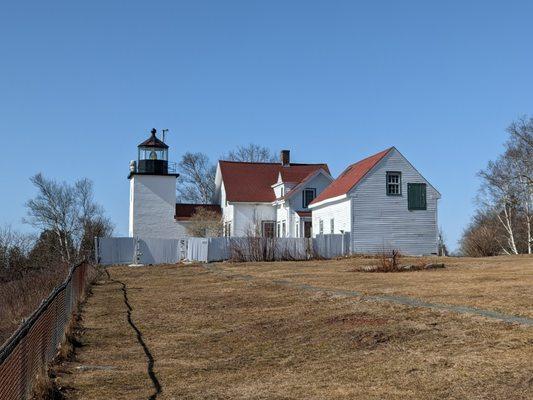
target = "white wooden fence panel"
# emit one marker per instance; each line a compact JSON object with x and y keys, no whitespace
{"x":197,"y":249}
{"x":115,"y":250}
{"x":330,"y":246}
{"x":120,"y":250}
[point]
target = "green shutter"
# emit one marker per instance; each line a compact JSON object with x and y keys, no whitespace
{"x":416,"y":196}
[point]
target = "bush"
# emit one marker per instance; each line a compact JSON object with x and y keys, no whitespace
{"x":389,"y":261}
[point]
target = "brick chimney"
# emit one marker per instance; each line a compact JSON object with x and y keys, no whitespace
{"x":285,"y":157}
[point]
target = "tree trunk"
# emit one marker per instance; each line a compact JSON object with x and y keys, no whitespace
{"x":508,"y":226}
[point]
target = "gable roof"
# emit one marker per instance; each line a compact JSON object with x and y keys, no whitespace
{"x":184,"y":211}
{"x":252,"y":182}
{"x":304,"y":182}
{"x":350,"y":177}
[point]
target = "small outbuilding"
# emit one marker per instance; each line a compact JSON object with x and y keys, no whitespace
{"x":385,"y":204}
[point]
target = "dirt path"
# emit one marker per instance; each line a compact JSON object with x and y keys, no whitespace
{"x":140,"y":339}
{"x":403,"y":300}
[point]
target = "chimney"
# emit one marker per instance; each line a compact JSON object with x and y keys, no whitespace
{"x":285,"y":157}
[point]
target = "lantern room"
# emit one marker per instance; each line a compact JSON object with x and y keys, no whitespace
{"x":153,"y":156}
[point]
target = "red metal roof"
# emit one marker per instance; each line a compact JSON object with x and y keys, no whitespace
{"x":252,"y":182}
{"x":153,"y":141}
{"x":186,"y":211}
{"x":350,"y":177}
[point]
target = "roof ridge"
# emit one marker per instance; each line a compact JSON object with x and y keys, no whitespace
{"x":269,"y":163}
{"x":373,"y":155}
{"x":333,"y":189}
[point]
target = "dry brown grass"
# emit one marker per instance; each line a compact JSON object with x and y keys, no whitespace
{"x":20,"y":297}
{"x":215,"y":337}
{"x":503,"y":284}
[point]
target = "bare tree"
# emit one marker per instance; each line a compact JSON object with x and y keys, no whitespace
{"x":205,"y":223}
{"x":483,"y":237}
{"x":519,"y":153}
{"x":14,"y":248}
{"x":196,"y":183}
{"x":506,"y":197}
{"x":69,"y":212}
{"x":500,"y":193}
{"x":441,"y":243}
{"x":54,"y":209}
{"x":251,"y":153}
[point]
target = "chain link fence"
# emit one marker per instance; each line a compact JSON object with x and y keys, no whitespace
{"x":28,"y":351}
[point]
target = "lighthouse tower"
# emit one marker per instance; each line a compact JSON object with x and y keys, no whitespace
{"x":152,"y":192}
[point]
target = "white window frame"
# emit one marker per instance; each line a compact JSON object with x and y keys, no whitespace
{"x":304,"y":196}
{"x":392,"y":182}
{"x":332,"y":225}
{"x":227,"y":228}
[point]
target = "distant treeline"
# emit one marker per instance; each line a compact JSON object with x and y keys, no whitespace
{"x":503,"y":220}
{"x":66,"y":218}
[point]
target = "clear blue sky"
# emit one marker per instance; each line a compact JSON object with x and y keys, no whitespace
{"x":334,"y":81}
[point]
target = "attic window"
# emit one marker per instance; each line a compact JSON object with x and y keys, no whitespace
{"x":394,"y":183}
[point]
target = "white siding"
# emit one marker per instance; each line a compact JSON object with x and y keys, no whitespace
{"x":153,"y":207}
{"x":283,"y":213}
{"x":339,"y":210}
{"x":247,"y":215}
{"x":319,"y":182}
{"x":288,"y":210}
{"x":181,"y":226}
{"x":381,"y":222}
{"x":227,"y":208}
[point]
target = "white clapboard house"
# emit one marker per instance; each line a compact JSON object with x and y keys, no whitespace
{"x":383,"y":201}
{"x":385,"y":204}
{"x":269,"y":199}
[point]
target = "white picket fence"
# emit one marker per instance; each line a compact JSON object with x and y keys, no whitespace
{"x":121,"y":250}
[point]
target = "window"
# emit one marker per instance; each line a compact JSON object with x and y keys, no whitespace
{"x":416,"y":196}
{"x":394,"y":183}
{"x":282,"y":191}
{"x":332,"y":225}
{"x":278,"y":229}
{"x":268,"y":229}
{"x":308,"y":196}
{"x":297,"y":230}
{"x":320,"y":227}
{"x":227,"y":228}
{"x":283,"y":229}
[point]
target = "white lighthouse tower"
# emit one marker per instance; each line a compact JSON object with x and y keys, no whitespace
{"x":152,"y":192}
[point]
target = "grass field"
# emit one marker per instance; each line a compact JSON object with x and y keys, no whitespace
{"x":235,"y":331}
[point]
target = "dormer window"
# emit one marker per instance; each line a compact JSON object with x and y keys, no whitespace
{"x":282,"y":191}
{"x":308,"y":195}
{"x":394,"y":183}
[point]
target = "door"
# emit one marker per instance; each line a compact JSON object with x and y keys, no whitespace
{"x":307,"y":229}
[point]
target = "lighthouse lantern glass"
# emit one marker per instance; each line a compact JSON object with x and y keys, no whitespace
{"x":153,"y":153}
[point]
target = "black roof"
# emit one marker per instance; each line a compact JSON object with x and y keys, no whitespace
{"x":153,"y":141}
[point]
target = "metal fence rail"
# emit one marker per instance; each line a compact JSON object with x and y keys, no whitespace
{"x":28,"y":351}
